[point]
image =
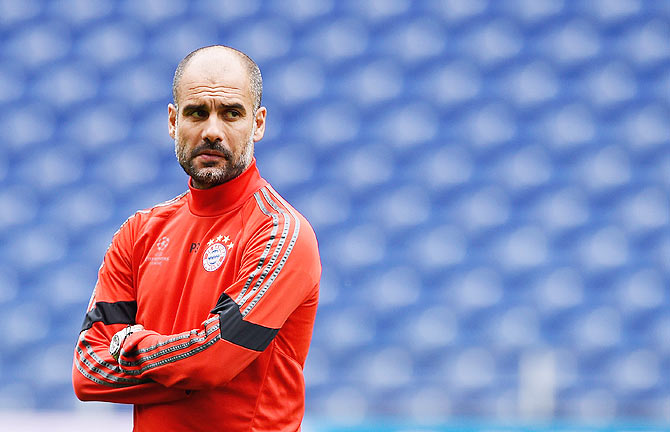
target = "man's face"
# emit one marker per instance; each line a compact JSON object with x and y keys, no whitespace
{"x":214,"y":125}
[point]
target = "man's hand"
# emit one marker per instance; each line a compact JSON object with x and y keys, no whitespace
{"x":119,"y":338}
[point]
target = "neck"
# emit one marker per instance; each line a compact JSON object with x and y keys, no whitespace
{"x":215,"y":199}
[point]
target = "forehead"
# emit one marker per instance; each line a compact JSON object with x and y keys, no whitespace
{"x":215,"y":76}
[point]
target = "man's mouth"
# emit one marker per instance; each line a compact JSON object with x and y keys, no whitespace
{"x":210,"y":155}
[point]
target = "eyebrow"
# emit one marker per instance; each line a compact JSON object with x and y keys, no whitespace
{"x":195,"y":107}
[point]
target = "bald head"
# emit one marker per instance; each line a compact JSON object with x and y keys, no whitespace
{"x":222,"y":54}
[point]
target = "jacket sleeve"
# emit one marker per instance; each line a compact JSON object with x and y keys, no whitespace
{"x":96,"y":376}
{"x":279,"y":271}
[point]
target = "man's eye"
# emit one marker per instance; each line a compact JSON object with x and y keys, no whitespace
{"x":199,"y":114}
{"x":232,"y":114}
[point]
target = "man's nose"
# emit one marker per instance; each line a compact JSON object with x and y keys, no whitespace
{"x":213,"y":130}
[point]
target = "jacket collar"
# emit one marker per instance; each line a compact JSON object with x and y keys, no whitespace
{"x":227,"y":196}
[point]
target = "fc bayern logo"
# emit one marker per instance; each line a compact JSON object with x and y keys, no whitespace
{"x":214,"y":256}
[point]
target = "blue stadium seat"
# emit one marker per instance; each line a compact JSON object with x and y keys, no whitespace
{"x":80,"y":13}
{"x":112,"y":43}
{"x":377,"y":11}
{"x":301,"y":11}
{"x":266,"y":40}
{"x":17,"y":126}
{"x":18,"y":208}
{"x":645,"y":129}
{"x":14,"y":13}
{"x":37,"y":45}
{"x":141,"y":84}
{"x":57,"y":170}
{"x":67,"y":85}
{"x":371,"y":81}
{"x":9,"y":285}
{"x":300,"y":81}
{"x":97,"y":128}
{"x":153,"y":12}
{"x":13,"y":82}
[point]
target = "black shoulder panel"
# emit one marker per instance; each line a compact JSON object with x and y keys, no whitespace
{"x":236,"y":330}
{"x":122,"y":312}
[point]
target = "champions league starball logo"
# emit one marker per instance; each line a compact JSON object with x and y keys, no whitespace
{"x":162,"y":243}
{"x":216,"y":252}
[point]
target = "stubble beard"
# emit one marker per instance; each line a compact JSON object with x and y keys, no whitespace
{"x":210,"y":176}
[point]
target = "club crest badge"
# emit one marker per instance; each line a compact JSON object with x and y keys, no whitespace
{"x":215,"y":254}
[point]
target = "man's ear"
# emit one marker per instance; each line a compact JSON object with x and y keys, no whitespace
{"x":259,"y":119}
{"x":172,"y":120}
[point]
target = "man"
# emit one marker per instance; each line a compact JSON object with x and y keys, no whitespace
{"x":204,"y":306}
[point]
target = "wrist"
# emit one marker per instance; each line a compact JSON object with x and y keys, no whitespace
{"x":120,"y":337}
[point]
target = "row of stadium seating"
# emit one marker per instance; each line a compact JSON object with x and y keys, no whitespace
{"x":488,"y":182}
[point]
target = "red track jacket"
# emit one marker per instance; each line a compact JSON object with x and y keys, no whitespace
{"x":226,"y":283}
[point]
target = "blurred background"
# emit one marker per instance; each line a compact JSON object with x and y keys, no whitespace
{"x":489,"y":182}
